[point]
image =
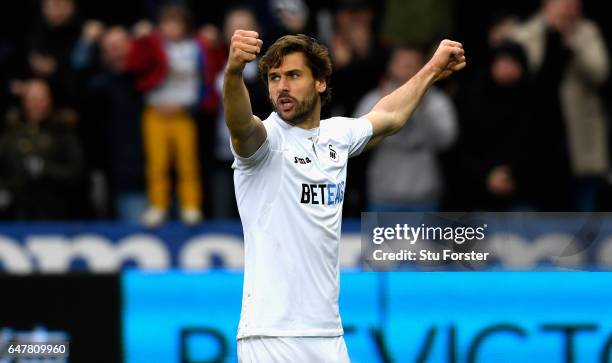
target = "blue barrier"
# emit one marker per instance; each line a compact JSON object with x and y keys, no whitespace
{"x":577,"y":242}
{"x":388,"y":317}
{"x":111,"y":247}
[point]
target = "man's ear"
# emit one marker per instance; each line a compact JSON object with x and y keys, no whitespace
{"x":321,"y":85}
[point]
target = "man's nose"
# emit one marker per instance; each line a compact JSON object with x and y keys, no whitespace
{"x":283,"y":85}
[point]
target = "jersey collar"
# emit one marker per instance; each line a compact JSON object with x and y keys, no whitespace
{"x":296,"y":131}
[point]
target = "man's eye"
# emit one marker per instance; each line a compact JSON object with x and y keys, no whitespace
{"x":274,"y":78}
{"x":295,"y":75}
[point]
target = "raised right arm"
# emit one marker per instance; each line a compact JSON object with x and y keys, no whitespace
{"x":246,"y":130}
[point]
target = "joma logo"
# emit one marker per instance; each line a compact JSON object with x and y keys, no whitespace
{"x":305,"y":160}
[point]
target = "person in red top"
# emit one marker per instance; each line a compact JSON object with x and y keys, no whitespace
{"x":175,"y":71}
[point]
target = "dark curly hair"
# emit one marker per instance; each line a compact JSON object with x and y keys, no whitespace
{"x":317,"y":56}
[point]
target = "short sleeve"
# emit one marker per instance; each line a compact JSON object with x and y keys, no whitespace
{"x":359,"y":135}
{"x":252,"y":162}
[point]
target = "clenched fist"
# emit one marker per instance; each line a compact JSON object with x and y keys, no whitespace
{"x":448,"y":58}
{"x":244,"y":48}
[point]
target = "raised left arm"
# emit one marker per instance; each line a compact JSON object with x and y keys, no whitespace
{"x":392,"y":112}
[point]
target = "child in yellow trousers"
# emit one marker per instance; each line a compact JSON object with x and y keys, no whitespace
{"x":171,"y":66}
{"x":170,"y":138}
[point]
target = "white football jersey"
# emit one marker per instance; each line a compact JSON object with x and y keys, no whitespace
{"x":290,"y":195}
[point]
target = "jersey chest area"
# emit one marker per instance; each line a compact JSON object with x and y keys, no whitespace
{"x":316,"y":167}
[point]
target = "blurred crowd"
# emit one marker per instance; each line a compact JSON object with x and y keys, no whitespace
{"x":112,"y":110}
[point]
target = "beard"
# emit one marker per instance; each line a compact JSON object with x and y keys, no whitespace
{"x":302,"y":110}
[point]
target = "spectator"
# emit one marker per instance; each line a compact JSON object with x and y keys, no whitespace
{"x":289,"y":17}
{"x":85,"y":62}
{"x":112,"y":101}
{"x":169,"y":66}
{"x":356,"y":54}
{"x":496,"y":109}
{"x":40,"y":157}
{"x":50,"y":46}
{"x":84,"y":51}
{"x":280,"y":17}
{"x":501,"y":30}
{"x":403,"y":173}
{"x":568,"y":56}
